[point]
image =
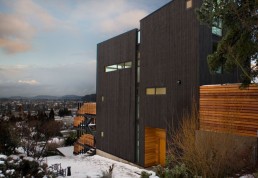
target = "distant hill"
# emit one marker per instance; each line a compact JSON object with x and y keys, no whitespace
{"x":45,"y":97}
{"x":71,"y":97}
{"x":86,"y":98}
{"x":17,"y":97}
{"x":89,"y":98}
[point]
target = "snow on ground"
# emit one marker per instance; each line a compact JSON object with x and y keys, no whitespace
{"x":3,"y":157}
{"x":93,"y":166}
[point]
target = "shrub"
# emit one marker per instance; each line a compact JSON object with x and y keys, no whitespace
{"x":145,"y":174}
{"x":108,"y":174}
{"x":208,"y":154}
{"x":17,"y":166}
{"x":178,"y":171}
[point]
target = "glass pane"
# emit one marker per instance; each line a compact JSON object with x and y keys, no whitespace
{"x":139,"y":37}
{"x":219,"y":71}
{"x":128,"y":64}
{"x":150,"y":91}
{"x":121,"y":66}
{"x":138,"y":74}
{"x":111,"y":68}
{"x":161,"y":91}
{"x":189,"y":4}
{"x":138,"y":55}
{"x":217,"y":31}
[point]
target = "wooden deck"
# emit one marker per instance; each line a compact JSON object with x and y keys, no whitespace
{"x":87,"y":108}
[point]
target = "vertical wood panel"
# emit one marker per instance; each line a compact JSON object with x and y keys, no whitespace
{"x":116,"y":114}
{"x":155,"y":147}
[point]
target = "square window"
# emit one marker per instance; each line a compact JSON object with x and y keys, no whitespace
{"x":150,"y":91}
{"x":161,"y":91}
{"x":189,"y":4}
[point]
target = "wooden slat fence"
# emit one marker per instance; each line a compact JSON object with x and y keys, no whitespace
{"x":227,"y":108}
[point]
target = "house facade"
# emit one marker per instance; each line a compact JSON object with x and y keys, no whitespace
{"x":148,"y":78}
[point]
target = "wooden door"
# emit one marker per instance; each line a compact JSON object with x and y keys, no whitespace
{"x":155,"y":146}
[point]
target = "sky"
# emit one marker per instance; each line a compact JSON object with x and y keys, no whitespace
{"x":48,"y":47}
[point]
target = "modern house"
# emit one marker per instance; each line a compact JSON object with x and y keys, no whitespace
{"x":148,"y":78}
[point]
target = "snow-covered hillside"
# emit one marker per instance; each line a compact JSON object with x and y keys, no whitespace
{"x":83,"y":166}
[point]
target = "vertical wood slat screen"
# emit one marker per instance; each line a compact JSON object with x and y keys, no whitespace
{"x":226,"y":108}
{"x":155,"y":147}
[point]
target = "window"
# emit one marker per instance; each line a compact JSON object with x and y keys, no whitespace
{"x":138,"y":54}
{"x":217,"y":27}
{"x":115,"y":67}
{"x":128,"y":65}
{"x":150,"y":91}
{"x":161,"y":91}
{"x":139,"y":37}
{"x":138,"y":71}
{"x":121,"y":66}
{"x":219,"y":70}
{"x":156,"y":91}
{"x":189,"y":4}
{"x":111,"y":68}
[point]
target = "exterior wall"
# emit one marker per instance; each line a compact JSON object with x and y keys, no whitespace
{"x":116,"y":97}
{"x":174,"y":46}
{"x":169,"y":52}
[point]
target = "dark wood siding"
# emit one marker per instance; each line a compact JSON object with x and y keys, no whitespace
{"x":174,"y":46}
{"x":116,"y":114}
{"x":169,"y":43}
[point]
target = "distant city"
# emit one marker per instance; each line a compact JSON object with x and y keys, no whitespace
{"x":14,"y":106}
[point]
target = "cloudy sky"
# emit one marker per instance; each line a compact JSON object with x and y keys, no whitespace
{"x":48,"y":47}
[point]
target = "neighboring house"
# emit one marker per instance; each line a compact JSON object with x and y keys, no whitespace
{"x":148,"y":78}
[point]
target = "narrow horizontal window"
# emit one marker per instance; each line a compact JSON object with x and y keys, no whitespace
{"x":150,"y":91}
{"x":161,"y":91}
{"x":121,"y":66}
{"x":128,"y":65}
{"x":111,"y":68}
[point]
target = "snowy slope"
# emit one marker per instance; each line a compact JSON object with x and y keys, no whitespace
{"x":83,"y":166}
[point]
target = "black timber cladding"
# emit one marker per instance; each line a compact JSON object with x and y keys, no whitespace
{"x":174,"y":46}
{"x":116,"y":114}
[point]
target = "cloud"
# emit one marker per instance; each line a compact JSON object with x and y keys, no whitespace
{"x":107,"y":16}
{"x":14,"y":46}
{"x":72,"y":78}
{"x":32,"y":11}
{"x":15,"y":34}
{"x":22,"y":22}
{"x":29,"y":82}
{"x":126,"y":20}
